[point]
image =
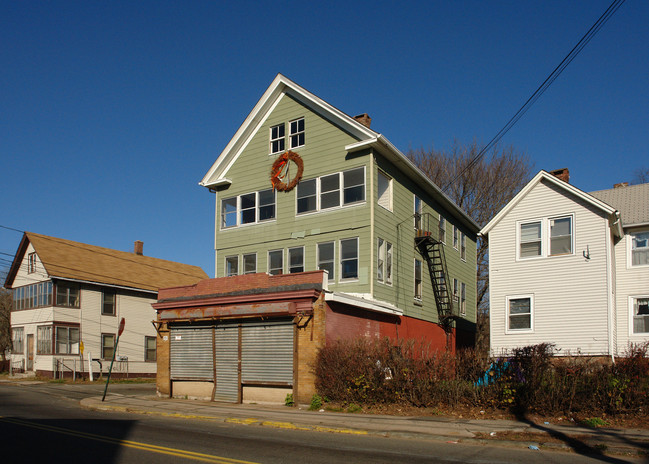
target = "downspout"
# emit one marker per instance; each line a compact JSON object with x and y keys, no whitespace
{"x":609,"y":291}
{"x":371,"y":195}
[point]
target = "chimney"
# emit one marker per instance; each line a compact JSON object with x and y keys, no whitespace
{"x":562,"y":174}
{"x":138,"y":247}
{"x":364,"y":119}
{"x":620,"y":185}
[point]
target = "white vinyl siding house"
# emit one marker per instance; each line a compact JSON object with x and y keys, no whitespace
{"x":562,"y":269}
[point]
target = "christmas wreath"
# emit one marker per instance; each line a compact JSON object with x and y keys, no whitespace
{"x":281,"y":174}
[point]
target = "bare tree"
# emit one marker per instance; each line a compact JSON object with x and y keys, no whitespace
{"x":641,"y":175}
{"x":5,"y":321}
{"x":481,"y":189}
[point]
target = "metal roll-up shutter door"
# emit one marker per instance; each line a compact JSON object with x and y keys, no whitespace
{"x":226,"y":346}
{"x":267,"y":352}
{"x":191,"y":353}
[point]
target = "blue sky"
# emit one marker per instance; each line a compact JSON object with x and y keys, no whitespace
{"x":112,"y":112}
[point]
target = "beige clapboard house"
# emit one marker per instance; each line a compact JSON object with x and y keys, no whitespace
{"x":570,"y":268}
{"x":69,"y":297}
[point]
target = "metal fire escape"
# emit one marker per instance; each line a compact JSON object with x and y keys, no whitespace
{"x":432,"y":250}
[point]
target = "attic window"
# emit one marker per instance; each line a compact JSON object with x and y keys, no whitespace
{"x":31,"y":263}
{"x":297,"y":133}
{"x":277,"y":141}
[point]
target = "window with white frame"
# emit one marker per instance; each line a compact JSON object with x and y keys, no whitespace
{"x":231,"y":265}
{"x":326,"y":258}
{"x":462,"y":246}
{"x":463,"y":300}
{"x":418,"y":282}
{"x":530,"y":240}
{"x":276,"y":262}
{"x":456,"y":291}
{"x":149,"y":349}
{"x":296,"y":134}
{"x":384,"y":191}
{"x":640,"y":307}
{"x":456,"y":237}
{"x":561,"y":236}
{"x":519,"y":313}
{"x":295,"y":260}
{"x":349,"y":259}
{"x":384,"y":262}
{"x":67,"y":340}
{"x":640,"y":249}
{"x":331,"y":191}
{"x":277,"y":141}
{"x":250,"y":263}
{"x":18,"y":339}
{"x":442,"y":229}
{"x":251,"y":208}
{"x":418,"y":208}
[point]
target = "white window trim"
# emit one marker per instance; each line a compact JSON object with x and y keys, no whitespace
{"x":271,"y":139}
{"x":462,"y":299}
{"x":268,"y":259}
{"x":463,"y":246}
{"x":415,"y":210}
{"x":341,"y":205}
{"x":456,"y":237}
{"x":340,"y":261}
{"x":439,"y":227}
{"x":546,"y":237}
{"x":629,"y":250}
{"x":238,"y":216}
{"x":225,"y":265}
{"x":519,"y":297}
{"x":418,"y":300}
{"x":389,"y":191}
{"x":288,"y":261}
{"x":456,"y":291}
{"x":317,"y":258}
{"x":387,"y":251}
{"x":243,"y":263}
{"x":631,"y":300}
{"x":290,"y":134}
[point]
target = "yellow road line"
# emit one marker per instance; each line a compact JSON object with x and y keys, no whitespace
{"x":129,"y":444}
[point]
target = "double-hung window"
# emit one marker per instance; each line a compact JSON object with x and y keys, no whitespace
{"x":231,"y":265}
{"x":561,"y":236}
{"x":67,"y":294}
{"x":277,"y":141}
{"x":296,"y":134}
{"x":326,"y":261}
{"x":640,"y":315}
{"x":149,"y":349}
{"x":640,"y":249}
{"x":67,"y":340}
{"x":462,"y":246}
{"x":276,"y":262}
{"x":250,"y":208}
{"x":418,"y":282}
{"x":384,"y":262}
{"x":108,"y":303}
{"x":31,"y":263}
{"x":418,"y":208}
{"x":107,"y":346}
{"x":349,"y":259}
{"x":384,"y":194}
{"x":456,"y":237}
{"x":463,"y":300}
{"x":250,"y":263}
{"x":530,"y":240}
{"x":296,"y":260}
{"x":456,"y":289}
{"x":18,"y":339}
{"x":331,"y":191}
{"x":44,"y":340}
{"x":442,"y":229}
{"x":519,"y":313}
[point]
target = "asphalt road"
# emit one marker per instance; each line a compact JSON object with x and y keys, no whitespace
{"x":41,"y":422}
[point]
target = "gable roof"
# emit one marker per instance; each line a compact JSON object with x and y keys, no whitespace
{"x":367,"y":138}
{"x":76,"y":261}
{"x":631,"y":201}
{"x":547,"y":177}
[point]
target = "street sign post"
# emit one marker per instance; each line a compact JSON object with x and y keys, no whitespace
{"x":122,"y":323}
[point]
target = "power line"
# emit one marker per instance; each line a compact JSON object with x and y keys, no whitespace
{"x":610,"y":11}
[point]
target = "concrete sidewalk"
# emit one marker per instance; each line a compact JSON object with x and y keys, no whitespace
{"x":630,"y":442}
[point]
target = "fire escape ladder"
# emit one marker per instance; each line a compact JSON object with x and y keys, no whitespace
{"x":432,"y":251}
